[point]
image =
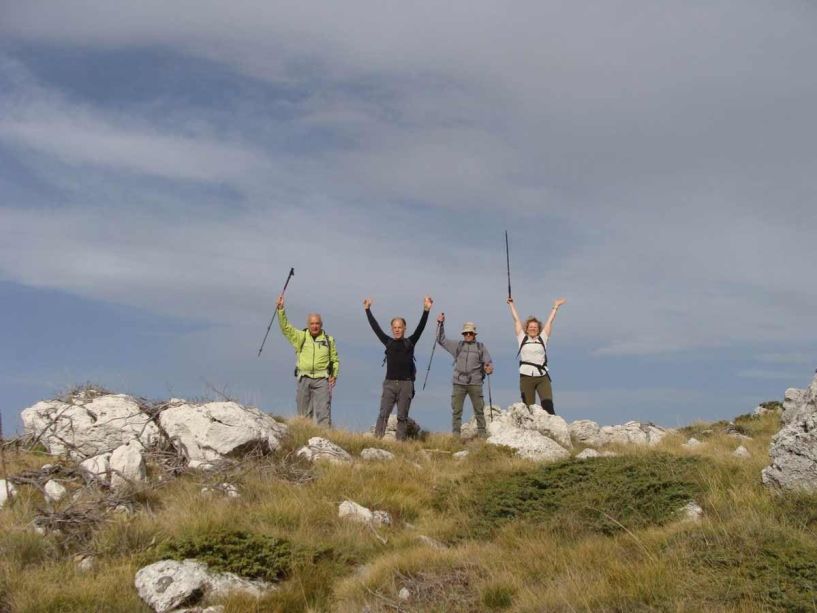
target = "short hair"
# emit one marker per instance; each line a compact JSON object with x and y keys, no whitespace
{"x":530,"y":320}
{"x":311,"y":315}
{"x":393,"y":319}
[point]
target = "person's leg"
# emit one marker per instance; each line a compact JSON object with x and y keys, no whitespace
{"x":545,"y":391}
{"x":387,"y":400}
{"x":406,"y":391}
{"x":457,"y":400}
{"x":321,"y":402}
{"x":302,"y":397}
{"x":527,"y":386}
{"x":478,"y":403}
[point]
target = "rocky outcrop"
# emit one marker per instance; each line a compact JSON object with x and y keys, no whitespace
{"x":374,"y":454}
{"x":529,"y":444}
{"x":589,"y":434}
{"x":793,"y":449}
{"x":127,"y":465}
{"x":413,"y":429}
{"x":87,"y":424}
{"x":210,"y":432}
{"x":318,"y":448}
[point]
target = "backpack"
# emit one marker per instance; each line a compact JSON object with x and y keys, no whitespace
{"x":480,"y":348}
{"x":409,"y":346}
{"x":538,"y":341}
{"x":329,"y":369}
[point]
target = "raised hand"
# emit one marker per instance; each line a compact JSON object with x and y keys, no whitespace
{"x":558,"y":302}
{"x":367,"y":303}
{"x":440,"y":318}
{"x":427,"y":302}
{"x":280,"y":302}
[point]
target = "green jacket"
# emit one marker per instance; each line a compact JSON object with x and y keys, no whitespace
{"x":313,"y":354}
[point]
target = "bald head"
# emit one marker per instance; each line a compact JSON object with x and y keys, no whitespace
{"x":314,"y":323}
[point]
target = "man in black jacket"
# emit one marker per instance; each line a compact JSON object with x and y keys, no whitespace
{"x":398,"y":387}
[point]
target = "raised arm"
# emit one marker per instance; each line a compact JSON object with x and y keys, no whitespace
{"x":516,"y":323}
{"x":549,"y":323}
{"x":367,"y":305}
{"x":427,"y":302}
{"x":449,"y":345}
{"x":290,"y":332}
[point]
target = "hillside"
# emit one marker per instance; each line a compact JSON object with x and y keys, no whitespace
{"x":483,"y":531}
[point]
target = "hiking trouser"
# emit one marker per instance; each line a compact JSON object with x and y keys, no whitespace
{"x":458,"y":393}
{"x":530,"y":386}
{"x":395,"y":392}
{"x":314,"y":399}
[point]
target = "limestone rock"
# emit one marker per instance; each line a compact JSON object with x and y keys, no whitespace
{"x":84,"y":427}
{"x":7,"y":491}
{"x":460,"y":455}
{"x":741,"y":452}
{"x":586,"y":432}
{"x":322,"y":449}
{"x":404,"y":594}
{"x":127,"y":465}
{"x":692,"y":511}
{"x":169,"y":584}
{"x":210,"y":432}
{"x":98,"y":467}
{"x":633,"y":433}
{"x":54,"y":491}
{"x":372,"y":454}
{"x":413,"y":429}
{"x":360,"y":514}
{"x":529,"y":444}
{"x":793,"y":449}
{"x":692,"y":443}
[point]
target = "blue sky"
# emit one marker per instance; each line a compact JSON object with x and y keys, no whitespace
{"x":163,"y":165}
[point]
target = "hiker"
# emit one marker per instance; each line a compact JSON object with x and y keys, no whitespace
{"x":398,"y":386}
{"x":471,"y":363}
{"x":534,"y":377}
{"x":317,"y":366}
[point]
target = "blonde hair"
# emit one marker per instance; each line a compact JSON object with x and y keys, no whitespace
{"x":530,"y":320}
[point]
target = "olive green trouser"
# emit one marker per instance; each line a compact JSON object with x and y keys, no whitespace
{"x":458,"y":400}
{"x":530,"y":386}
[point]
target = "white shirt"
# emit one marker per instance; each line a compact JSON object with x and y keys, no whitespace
{"x":531,"y":352}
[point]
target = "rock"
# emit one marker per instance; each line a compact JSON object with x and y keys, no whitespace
{"x":537,"y":419}
{"x":586,"y":432}
{"x":430,"y":542}
{"x":634,"y":433}
{"x":460,"y":455}
{"x":98,"y":467}
{"x":692,"y":443}
{"x":84,"y":427}
{"x":85,"y":564}
{"x":371,"y":454}
{"x":529,"y":444}
{"x":741,"y":452}
{"x":7,"y":492}
{"x":469,"y":428}
{"x":404,"y":594}
{"x":169,"y":584}
{"x":208,"y":433}
{"x":358,"y":513}
{"x":127,"y":465}
{"x":413,"y":429}
{"x":793,"y":450}
{"x":54,"y":491}
{"x":587,"y":453}
{"x":692,"y":511}
{"x":227,"y":489}
{"x":322,"y":449}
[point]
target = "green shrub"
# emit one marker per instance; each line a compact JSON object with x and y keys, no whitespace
{"x":256,"y":556}
{"x":602,"y":495}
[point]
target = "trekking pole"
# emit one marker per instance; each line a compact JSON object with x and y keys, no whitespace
{"x":436,"y":336}
{"x":490,"y":400}
{"x":289,"y":276}
{"x":508,"y":263}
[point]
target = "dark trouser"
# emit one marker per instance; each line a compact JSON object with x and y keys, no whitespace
{"x":314,"y":400}
{"x":530,"y":386}
{"x":401,"y":393}
{"x":458,"y":399}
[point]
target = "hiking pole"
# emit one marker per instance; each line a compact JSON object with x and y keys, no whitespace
{"x":508,"y":263}
{"x":289,"y":276}
{"x":432,"y":354}
{"x":490,"y":400}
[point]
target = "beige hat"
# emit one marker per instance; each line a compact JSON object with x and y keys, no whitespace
{"x":469,"y":326}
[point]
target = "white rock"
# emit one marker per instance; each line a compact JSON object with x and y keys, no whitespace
{"x":692,"y":511}
{"x":381,"y":518}
{"x":85,"y":564}
{"x":168,"y":584}
{"x":586,"y":432}
{"x":85,"y":428}
{"x":529,"y":444}
{"x":221,"y":584}
{"x":692,"y":443}
{"x":322,"y":449}
{"x":358,"y":513}
{"x":537,"y":419}
{"x":741,"y":452}
{"x":404,"y":594}
{"x":7,"y":491}
{"x":99,"y":467}
{"x":371,"y":453}
{"x":587,"y":453}
{"x":208,"y":433}
{"x":460,"y":455}
{"x":127,"y":465}
{"x":54,"y":491}
{"x":413,"y":429}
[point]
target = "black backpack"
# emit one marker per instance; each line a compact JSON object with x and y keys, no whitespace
{"x":538,"y":341}
{"x":329,"y":369}
{"x":409,"y":347}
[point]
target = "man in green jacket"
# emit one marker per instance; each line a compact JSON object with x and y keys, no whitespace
{"x":317,"y":366}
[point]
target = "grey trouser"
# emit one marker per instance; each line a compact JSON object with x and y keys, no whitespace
{"x":401,"y":393}
{"x":458,"y":399}
{"x":530,"y":386}
{"x":314,"y":399}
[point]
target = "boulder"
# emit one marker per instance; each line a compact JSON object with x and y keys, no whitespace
{"x":54,"y":491}
{"x":586,"y":432}
{"x":692,"y":443}
{"x":371,"y":454}
{"x":208,"y":433}
{"x":413,"y":429}
{"x":528,"y":444}
{"x":793,"y":450}
{"x":87,"y":426}
{"x":322,"y":449}
{"x":741,"y":452}
{"x":358,"y":513}
{"x":98,"y":467}
{"x":633,"y":433}
{"x":127,"y":465}
{"x":469,"y":429}
{"x":692,"y":511}
{"x":7,"y":492}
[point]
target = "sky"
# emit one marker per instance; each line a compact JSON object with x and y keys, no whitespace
{"x":164,"y":164}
